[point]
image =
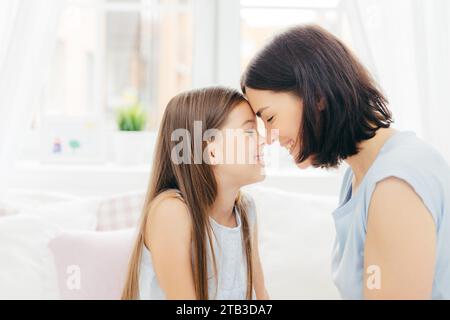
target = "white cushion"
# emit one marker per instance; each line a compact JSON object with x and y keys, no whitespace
{"x":67,"y":211}
{"x":69,"y":215}
{"x":14,"y":201}
{"x":296,"y":234}
{"x":27,"y":266}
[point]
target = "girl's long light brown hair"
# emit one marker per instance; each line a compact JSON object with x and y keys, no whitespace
{"x":195,"y":182}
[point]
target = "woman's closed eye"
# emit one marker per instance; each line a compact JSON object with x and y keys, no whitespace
{"x":270,"y":119}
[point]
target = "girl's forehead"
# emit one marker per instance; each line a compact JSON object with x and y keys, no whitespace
{"x":240,"y":113}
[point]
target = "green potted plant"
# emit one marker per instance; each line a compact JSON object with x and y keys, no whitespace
{"x":130,"y":139}
{"x":132,"y":118}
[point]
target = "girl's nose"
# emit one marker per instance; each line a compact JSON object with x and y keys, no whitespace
{"x":261,"y":141}
{"x":271,"y":135}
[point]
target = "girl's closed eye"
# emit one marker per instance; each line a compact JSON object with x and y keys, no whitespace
{"x":270,"y":119}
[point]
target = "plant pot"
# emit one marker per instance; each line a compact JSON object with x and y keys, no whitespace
{"x":132,"y":147}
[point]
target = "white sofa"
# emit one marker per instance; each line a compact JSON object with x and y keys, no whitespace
{"x":296,"y":236}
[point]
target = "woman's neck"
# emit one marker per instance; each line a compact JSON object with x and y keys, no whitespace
{"x":368,"y":152}
{"x":222,"y":211}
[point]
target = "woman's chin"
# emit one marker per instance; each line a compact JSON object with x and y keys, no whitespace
{"x":304,"y":165}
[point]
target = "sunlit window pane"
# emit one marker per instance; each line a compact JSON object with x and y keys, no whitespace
{"x":111,"y":53}
{"x":261,"y":20}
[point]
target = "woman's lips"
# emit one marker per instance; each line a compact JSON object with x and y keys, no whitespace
{"x":288,"y":146}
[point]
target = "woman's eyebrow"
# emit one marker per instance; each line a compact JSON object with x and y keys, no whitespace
{"x":260,"y":111}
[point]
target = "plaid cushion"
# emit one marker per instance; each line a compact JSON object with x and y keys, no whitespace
{"x":120,"y":211}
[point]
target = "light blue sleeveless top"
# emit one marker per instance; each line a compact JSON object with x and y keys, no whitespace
{"x":406,"y":157}
{"x":230,"y":259}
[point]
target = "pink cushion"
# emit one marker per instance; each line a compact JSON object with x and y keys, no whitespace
{"x":92,"y":265}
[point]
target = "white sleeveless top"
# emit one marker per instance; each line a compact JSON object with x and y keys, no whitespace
{"x":230,"y":259}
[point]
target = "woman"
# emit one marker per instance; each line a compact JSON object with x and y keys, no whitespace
{"x":392,"y":223}
{"x":197,"y":237}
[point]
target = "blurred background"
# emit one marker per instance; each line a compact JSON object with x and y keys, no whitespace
{"x":69,"y":68}
{"x":84,"y":83}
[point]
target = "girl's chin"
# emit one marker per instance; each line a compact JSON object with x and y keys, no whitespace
{"x":261,"y":176}
{"x":258,"y":176}
{"x":260,"y":172}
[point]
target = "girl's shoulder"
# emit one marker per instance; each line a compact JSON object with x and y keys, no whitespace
{"x":168,"y":211}
{"x":169,"y":202}
{"x":174,"y":194}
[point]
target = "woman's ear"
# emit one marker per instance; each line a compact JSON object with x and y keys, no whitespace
{"x":321,"y":104}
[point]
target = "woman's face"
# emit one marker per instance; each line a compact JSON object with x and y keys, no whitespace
{"x":238,"y":152}
{"x":281,"y":113}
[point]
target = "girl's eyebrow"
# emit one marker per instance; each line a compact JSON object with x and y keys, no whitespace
{"x":248,"y":121}
{"x":260,"y":111}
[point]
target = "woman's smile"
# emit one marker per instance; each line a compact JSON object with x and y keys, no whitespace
{"x":289,"y":146}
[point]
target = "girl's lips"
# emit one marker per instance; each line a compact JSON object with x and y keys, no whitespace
{"x":260,"y":159}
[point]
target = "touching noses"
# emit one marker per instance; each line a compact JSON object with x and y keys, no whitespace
{"x":272,"y":135}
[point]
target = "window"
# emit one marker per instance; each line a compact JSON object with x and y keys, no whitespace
{"x":262,"y":19}
{"x":111,"y":53}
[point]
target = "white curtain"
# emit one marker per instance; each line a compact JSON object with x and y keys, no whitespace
{"x":432,"y":21}
{"x":409,"y":46}
{"x":28,"y":31}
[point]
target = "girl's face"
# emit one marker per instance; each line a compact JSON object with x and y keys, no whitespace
{"x":237,"y":154}
{"x":281,"y":113}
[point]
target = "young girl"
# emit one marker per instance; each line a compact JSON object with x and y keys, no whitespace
{"x":197,"y":236}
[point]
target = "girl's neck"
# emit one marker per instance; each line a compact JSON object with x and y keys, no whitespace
{"x":369,"y":150}
{"x":222,"y":211}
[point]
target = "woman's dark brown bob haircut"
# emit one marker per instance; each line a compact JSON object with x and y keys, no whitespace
{"x":342,"y":105}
